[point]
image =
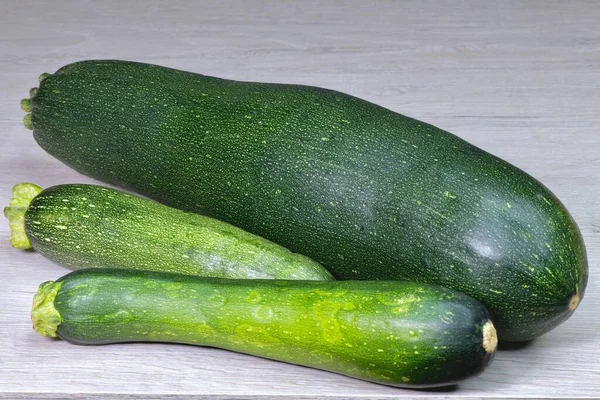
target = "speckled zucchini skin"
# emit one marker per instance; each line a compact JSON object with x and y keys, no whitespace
{"x":367,"y":192}
{"x":395,"y":333}
{"x":89,"y":226}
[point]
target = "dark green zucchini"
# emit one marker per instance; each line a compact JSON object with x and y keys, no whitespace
{"x":395,"y":333}
{"x":367,"y":192}
{"x":89,"y":226}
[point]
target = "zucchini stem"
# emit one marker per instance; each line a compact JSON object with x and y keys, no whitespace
{"x":22,"y":195}
{"x":27,"y":121}
{"x":490,"y":338}
{"x":43,"y":76}
{"x":574,"y":301}
{"x":44,"y":315}
{"x":26,"y":105}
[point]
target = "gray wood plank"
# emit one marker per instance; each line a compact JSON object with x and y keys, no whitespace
{"x":519,"y":79}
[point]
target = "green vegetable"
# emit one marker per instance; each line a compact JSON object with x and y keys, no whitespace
{"x":88,"y":226}
{"x":395,"y":333}
{"x":368,"y":193}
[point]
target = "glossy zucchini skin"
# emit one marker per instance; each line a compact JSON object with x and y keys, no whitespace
{"x":89,"y":226}
{"x":366,"y":192}
{"x":394,"y":333}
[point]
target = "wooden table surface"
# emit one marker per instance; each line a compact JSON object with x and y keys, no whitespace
{"x":519,"y":79}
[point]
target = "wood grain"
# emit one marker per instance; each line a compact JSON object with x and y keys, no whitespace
{"x":519,"y":79}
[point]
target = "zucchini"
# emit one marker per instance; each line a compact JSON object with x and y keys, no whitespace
{"x":366,"y":192}
{"x":394,"y":333}
{"x":89,"y":226}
